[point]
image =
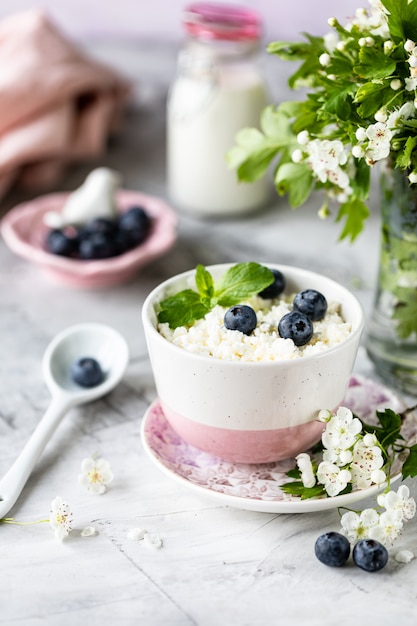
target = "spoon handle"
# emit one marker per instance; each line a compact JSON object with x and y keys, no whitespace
{"x":13,"y":482}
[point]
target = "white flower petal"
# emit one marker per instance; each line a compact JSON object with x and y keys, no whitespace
{"x":88,"y":531}
{"x":136,"y":534}
{"x":404,"y":556}
{"x":152,"y":541}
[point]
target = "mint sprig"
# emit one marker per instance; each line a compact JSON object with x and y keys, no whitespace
{"x":239,"y":282}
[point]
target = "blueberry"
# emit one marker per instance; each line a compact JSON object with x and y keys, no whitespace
{"x":277,"y":287}
{"x":312,"y":303}
{"x":332,"y":549}
{"x":370,"y":555}
{"x":87,"y":372}
{"x":134,"y":226}
{"x":102,"y":225}
{"x":240,"y":317}
{"x":60,"y":243}
{"x":296,"y":326}
{"x":97,"y":246}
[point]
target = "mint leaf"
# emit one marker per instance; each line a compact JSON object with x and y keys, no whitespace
{"x":182,"y":309}
{"x":241,"y":281}
{"x":409,"y":468}
{"x":205,"y":284}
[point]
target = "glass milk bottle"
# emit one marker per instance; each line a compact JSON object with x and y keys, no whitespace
{"x":218,"y":90}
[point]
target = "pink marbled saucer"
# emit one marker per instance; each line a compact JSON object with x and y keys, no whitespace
{"x":24,"y":232}
{"x":257,"y":486}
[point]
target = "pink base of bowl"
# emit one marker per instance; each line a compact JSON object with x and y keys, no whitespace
{"x":246,"y":446}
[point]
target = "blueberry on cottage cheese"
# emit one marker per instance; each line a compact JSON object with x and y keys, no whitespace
{"x":296,"y":326}
{"x":241,"y":317}
{"x":87,"y":372}
{"x":332,"y":549}
{"x":312,"y":303}
{"x":370,"y":555}
{"x":277,"y":287}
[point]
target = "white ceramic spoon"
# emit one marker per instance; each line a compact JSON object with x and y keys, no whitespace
{"x":101,"y":342}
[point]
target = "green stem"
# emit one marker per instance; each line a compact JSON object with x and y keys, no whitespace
{"x":11,"y":520}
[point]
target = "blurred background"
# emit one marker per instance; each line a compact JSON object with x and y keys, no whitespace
{"x":151,"y":19}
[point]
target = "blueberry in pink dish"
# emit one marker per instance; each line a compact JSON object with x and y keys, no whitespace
{"x":95,"y":237}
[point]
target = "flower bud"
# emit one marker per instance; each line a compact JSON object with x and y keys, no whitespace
{"x":358,"y":152}
{"x":409,"y":45}
{"x":388,"y":46}
{"x":360,"y":134}
{"x":332,"y":21}
{"x":395,"y":84}
{"x":381,"y":116}
{"x":297,"y":156}
{"x":303,"y":138}
{"x":324,"y":59}
{"x":413,"y":178}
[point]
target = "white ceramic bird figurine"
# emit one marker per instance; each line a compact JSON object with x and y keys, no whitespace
{"x":96,"y":197}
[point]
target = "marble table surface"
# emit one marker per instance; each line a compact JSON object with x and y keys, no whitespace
{"x":218,"y":564}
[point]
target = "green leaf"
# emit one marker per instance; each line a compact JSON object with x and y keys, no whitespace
{"x":371,"y":96}
{"x":372,"y":65}
{"x":253,"y":151}
{"x":204,"y":283}
{"x":182,"y":309}
{"x":290,"y":51}
{"x":276,"y":126}
{"x":256,"y":165}
{"x":338,"y":101}
{"x":402,"y":18}
{"x":295,"y":179}
{"x":355,"y":212}
{"x":409,"y":468}
{"x":241,"y":281}
{"x":404,"y":159}
{"x":297,"y":488}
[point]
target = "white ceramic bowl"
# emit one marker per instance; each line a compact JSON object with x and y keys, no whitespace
{"x":251,"y":412}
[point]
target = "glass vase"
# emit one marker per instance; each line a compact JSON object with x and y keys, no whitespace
{"x":392,"y":329}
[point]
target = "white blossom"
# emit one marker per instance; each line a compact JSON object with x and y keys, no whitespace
{"x":399,"y":501}
{"x":379,"y":136}
{"x":388,"y":529}
{"x":61,"y":519}
{"x":409,"y":45}
{"x":96,"y":475}
{"x":366,"y":459}
{"x":412,"y":178}
{"x":306,"y":468}
{"x":136,"y":534}
{"x":341,"y":430}
{"x":333,"y":478}
{"x":358,"y":526}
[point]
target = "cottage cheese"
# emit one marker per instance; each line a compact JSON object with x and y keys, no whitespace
{"x":208,"y":336}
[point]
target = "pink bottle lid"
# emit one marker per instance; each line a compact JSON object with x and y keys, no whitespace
{"x":208,"y":20}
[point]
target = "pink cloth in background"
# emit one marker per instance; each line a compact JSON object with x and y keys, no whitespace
{"x":56,"y":105}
